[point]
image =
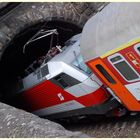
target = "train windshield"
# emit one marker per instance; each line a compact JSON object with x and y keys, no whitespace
{"x":79,"y":62}
{"x":64,"y":80}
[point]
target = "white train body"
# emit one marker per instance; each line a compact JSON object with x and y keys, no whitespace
{"x":64,"y":86}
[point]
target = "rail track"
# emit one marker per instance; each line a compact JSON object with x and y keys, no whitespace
{"x":126,"y":127}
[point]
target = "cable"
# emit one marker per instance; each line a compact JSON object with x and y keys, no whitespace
{"x":47,"y":33}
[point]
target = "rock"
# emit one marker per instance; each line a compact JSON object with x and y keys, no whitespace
{"x":16,"y":123}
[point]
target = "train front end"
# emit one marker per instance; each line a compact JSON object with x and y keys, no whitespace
{"x":63,"y":87}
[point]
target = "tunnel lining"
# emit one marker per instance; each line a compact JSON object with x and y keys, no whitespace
{"x":12,"y":56}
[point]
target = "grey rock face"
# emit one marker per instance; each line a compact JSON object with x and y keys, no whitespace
{"x":16,"y":123}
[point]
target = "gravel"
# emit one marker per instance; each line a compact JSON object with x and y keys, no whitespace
{"x":125,"y":127}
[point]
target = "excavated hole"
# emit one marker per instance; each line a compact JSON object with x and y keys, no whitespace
{"x":14,"y":61}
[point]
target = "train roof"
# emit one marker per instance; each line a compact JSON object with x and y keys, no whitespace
{"x":116,"y":24}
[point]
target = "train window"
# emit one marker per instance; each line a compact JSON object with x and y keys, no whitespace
{"x":137,"y":48}
{"x":123,"y":67}
{"x":126,"y":70}
{"x":38,"y":75}
{"x":70,"y":80}
{"x":60,"y":81}
{"x":115,"y":59}
{"x":105,"y":74}
{"x":63,"y":80}
{"x":79,"y":62}
{"x":44,"y":70}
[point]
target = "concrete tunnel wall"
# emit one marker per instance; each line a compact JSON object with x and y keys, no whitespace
{"x":23,"y":16}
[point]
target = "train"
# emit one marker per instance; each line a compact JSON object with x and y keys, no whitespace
{"x":97,"y":72}
{"x":63,"y":87}
{"x":112,"y":52}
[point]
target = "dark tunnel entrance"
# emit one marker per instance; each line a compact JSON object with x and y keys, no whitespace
{"x":14,"y":61}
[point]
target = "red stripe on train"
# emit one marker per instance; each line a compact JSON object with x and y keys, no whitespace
{"x":46,"y":94}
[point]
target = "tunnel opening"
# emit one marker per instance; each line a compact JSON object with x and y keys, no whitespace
{"x":13,"y":61}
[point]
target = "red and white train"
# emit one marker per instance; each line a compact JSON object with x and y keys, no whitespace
{"x":64,"y":86}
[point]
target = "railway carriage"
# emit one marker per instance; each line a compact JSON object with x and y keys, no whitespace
{"x":110,"y":45}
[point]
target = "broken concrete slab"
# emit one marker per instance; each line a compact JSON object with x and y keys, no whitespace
{"x":15,"y":123}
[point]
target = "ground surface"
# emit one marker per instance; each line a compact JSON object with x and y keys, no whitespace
{"x":126,"y":127}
